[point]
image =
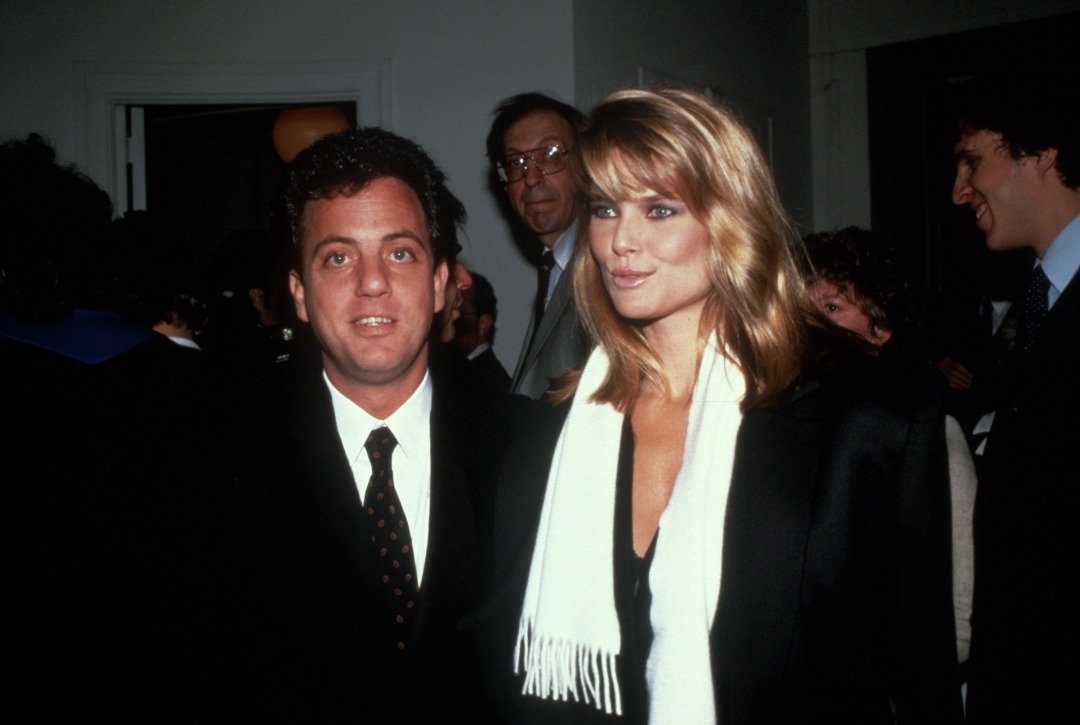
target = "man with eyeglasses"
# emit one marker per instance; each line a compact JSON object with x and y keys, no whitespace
{"x":529,"y":141}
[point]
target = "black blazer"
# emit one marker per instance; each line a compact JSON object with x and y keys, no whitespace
{"x":114,"y":489}
{"x":341,"y":659}
{"x":836,"y":590}
{"x":490,"y":371}
{"x":1025,"y":635}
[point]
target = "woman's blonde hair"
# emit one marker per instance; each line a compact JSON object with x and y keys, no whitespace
{"x":677,"y":143}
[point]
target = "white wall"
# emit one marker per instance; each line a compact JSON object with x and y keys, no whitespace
{"x":754,"y":51}
{"x":450,"y":62}
{"x":840,"y":33}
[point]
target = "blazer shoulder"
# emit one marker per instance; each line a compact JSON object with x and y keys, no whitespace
{"x":847,"y":376}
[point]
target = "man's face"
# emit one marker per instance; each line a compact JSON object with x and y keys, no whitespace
{"x":368,"y":285}
{"x":999,"y":189}
{"x":545,"y":202}
{"x":467,"y":329}
{"x":457,"y":284}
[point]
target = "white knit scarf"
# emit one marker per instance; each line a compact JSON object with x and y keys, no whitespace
{"x":568,"y":635}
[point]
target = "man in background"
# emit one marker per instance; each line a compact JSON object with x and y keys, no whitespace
{"x":528,"y":145}
{"x":1018,"y":170}
{"x":475,"y":333}
{"x":120,"y":589}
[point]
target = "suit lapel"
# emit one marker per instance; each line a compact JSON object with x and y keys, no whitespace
{"x":765,"y":538}
{"x":323,"y":478}
{"x":450,"y":571}
{"x":1051,"y":357}
{"x":1059,"y":325}
{"x":556,"y":307}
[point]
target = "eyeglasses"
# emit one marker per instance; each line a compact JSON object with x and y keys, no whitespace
{"x":549,"y":159}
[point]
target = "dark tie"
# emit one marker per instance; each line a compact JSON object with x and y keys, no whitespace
{"x":543,"y":276}
{"x":390,"y":535}
{"x":1033,"y":309}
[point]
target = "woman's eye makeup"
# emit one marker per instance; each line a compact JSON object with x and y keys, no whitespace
{"x":601,"y":209}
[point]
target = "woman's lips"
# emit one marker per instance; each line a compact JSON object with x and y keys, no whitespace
{"x":628,"y":278}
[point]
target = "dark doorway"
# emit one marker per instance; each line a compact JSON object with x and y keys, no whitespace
{"x":212,"y":169}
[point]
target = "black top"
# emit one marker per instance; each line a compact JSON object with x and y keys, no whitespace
{"x":633,"y":596}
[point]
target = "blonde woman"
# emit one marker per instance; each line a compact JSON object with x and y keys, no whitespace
{"x":725,"y":517}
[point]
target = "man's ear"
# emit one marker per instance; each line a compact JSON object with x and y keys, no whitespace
{"x":483,"y":326}
{"x":257,"y":297}
{"x":1047,"y":160}
{"x":442,"y":272}
{"x":296,"y":287}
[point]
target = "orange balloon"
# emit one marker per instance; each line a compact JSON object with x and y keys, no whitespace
{"x":297,"y":128}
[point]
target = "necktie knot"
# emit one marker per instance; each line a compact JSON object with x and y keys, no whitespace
{"x":380,"y":445}
{"x":547,"y":261}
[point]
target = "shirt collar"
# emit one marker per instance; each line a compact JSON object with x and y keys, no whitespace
{"x":409,"y":423}
{"x":478,"y":351}
{"x":563,"y":249}
{"x":185,"y":342}
{"x":1063,"y":257}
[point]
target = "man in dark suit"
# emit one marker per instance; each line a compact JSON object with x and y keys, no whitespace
{"x":475,"y":333}
{"x":1018,"y":169}
{"x":373,"y":463}
{"x":119,"y":592}
{"x":528,"y":144}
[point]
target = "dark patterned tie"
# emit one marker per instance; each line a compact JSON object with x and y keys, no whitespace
{"x":390,"y":534}
{"x":543,"y":276}
{"x":1033,"y":309}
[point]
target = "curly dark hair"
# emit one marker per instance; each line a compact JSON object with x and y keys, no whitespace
{"x":514,"y":108}
{"x":344,"y":163}
{"x":867,"y":267}
{"x":1031,"y":114}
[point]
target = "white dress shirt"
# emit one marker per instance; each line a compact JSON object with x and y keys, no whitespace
{"x":411,"y":460}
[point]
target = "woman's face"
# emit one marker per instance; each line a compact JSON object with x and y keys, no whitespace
{"x":840,"y":307}
{"x":652,"y":254}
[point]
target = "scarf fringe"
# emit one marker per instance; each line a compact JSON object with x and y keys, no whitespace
{"x":560,"y":669}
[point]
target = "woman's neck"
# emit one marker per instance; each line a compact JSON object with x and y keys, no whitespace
{"x":674,"y":341}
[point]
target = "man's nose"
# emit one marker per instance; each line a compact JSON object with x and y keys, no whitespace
{"x":462,"y":277}
{"x":371,"y":280}
{"x":533,"y":174}
{"x":961,"y":190}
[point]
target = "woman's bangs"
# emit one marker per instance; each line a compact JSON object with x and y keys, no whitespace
{"x":624,"y":166}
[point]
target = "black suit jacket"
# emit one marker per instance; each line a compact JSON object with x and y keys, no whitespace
{"x":342,"y":662}
{"x":1025,"y":636}
{"x":835,"y":597}
{"x":115,"y":487}
{"x":490,"y":371}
